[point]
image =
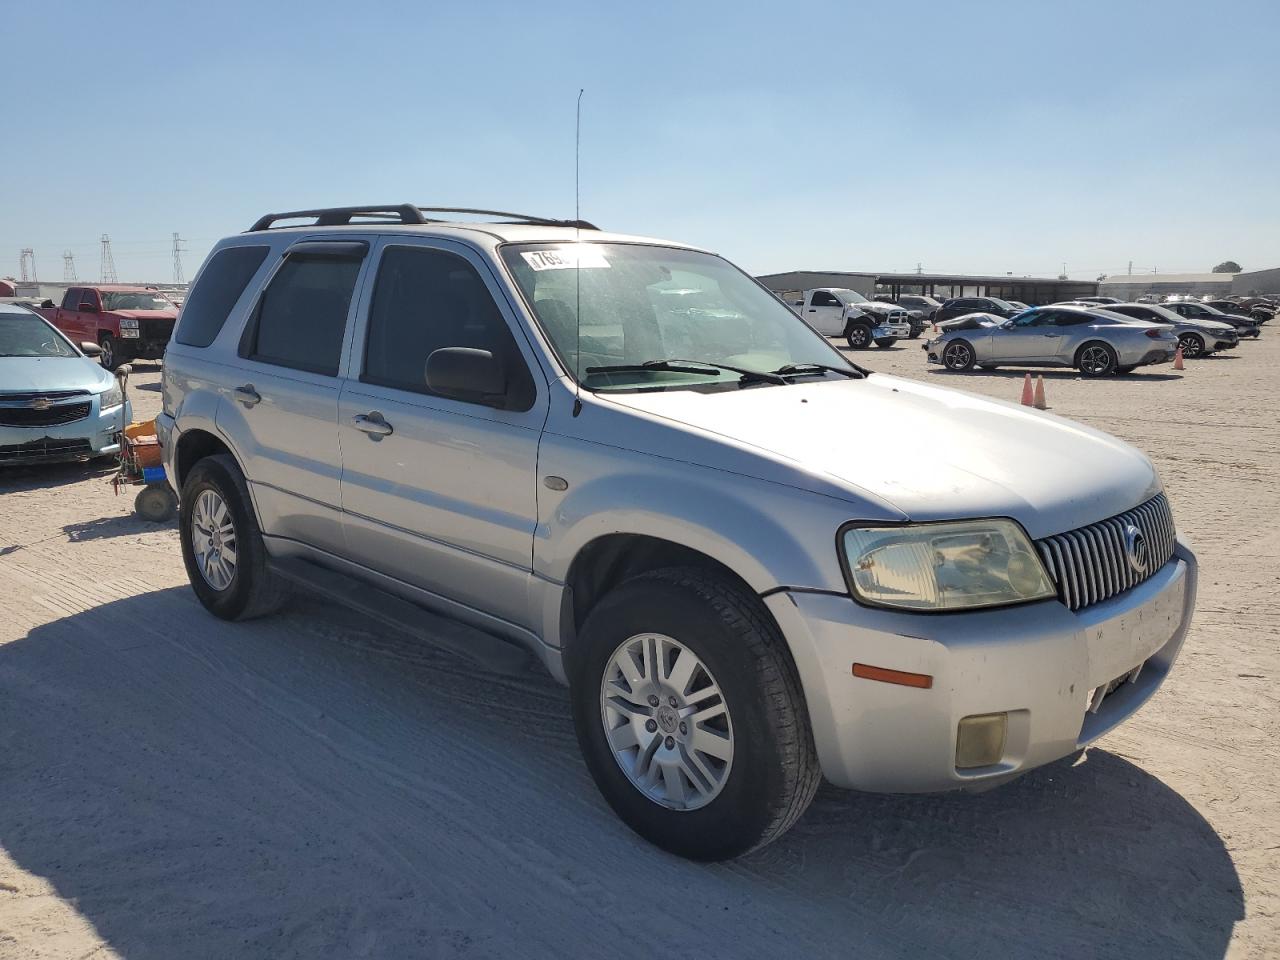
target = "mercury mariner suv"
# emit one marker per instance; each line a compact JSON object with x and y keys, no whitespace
{"x":631,"y":458}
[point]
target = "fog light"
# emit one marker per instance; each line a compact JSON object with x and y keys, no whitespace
{"x":980,"y":740}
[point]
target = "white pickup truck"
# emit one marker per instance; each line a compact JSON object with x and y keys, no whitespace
{"x":835,"y":312}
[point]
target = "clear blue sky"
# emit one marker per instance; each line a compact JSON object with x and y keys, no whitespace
{"x":965,"y":136}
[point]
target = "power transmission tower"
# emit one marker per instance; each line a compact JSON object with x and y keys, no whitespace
{"x":107,"y":269}
{"x":27,"y":265}
{"x":177,"y":259}
{"x":69,"y":267}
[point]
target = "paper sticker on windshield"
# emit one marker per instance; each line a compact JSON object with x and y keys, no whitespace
{"x":565,"y":258}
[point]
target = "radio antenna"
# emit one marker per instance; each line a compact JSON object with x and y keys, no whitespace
{"x":577,"y":264}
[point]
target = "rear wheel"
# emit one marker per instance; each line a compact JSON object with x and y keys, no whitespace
{"x":222,"y":545}
{"x":1097,"y":359}
{"x":690,"y":715}
{"x":858,"y":336}
{"x":958,"y":355}
{"x":1192,"y":344}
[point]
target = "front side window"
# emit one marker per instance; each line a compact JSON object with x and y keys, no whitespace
{"x":616,"y":304}
{"x":89,"y":300}
{"x":302,"y":315}
{"x":425,"y":300}
{"x":823,"y":298}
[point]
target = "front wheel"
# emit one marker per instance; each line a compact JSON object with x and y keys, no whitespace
{"x":690,"y":716}
{"x":110,"y":356}
{"x":958,"y":356}
{"x":858,"y":336}
{"x":886,"y":342}
{"x":1097,"y":360}
{"x":1192,"y":345}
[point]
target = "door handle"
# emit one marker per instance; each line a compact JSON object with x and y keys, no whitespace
{"x":247,"y":395}
{"x":813,"y":310}
{"x":1050,"y":334}
{"x":372,"y":424}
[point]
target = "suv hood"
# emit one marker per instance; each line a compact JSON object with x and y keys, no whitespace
{"x":882,"y":309}
{"x":929,"y":452}
{"x":33,"y":374}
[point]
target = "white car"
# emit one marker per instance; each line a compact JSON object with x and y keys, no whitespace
{"x":628,"y":456}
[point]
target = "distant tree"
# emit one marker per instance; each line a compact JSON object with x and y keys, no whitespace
{"x":1227,"y":266}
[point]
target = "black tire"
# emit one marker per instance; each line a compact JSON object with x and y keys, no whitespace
{"x":111,"y":357}
{"x":858,"y":336}
{"x":916,"y":331}
{"x":254,"y":590}
{"x":1125,"y":370}
{"x":155,"y":502}
{"x":886,"y":342}
{"x":956,"y":359}
{"x":1192,"y":345}
{"x":774,"y":771}
{"x":1097,"y":359}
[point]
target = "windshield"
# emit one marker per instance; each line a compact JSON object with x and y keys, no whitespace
{"x":1214,"y":311}
{"x":642,"y":304}
{"x":850,"y":296}
{"x":29,"y":336}
{"x":1003,"y":304}
{"x":145,"y":300}
{"x":919,"y":301}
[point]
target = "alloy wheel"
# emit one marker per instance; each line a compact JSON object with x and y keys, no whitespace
{"x":1096,"y":360}
{"x":1190,"y":345}
{"x":666,"y":722}
{"x":957,"y":356}
{"x":213,"y":539}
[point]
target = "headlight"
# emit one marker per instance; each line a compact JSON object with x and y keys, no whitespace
{"x":944,"y":566}
{"x":128,"y":323}
{"x":111,"y":397}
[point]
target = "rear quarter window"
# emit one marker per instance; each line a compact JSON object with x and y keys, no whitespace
{"x":220,"y":285}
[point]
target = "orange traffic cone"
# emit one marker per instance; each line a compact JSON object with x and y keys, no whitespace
{"x":1177,"y":359}
{"x":1039,"y":401}
{"x":1026,"y":391}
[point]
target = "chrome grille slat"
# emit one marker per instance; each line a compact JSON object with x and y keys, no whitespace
{"x":1090,"y":564}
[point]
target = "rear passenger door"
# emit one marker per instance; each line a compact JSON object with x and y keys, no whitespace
{"x":282,"y":411}
{"x":437,"y":492}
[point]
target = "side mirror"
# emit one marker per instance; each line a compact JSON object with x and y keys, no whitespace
{"x":90,"y":349}
{"x":465,"y":373}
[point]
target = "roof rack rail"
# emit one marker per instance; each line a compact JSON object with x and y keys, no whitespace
{"x":517,"y":217}
{"x":404,"y":213}
{"x":340,"y":216}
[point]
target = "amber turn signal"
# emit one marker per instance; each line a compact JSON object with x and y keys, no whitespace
{"x":884,"y":675}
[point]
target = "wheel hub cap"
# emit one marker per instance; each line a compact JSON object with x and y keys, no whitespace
{"x":666,"y":722}
{"x":213,"y":540}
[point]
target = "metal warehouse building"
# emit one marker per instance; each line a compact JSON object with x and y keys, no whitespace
{"x":1032,"y":290}
{"x":1128,"y":287}
{"x":1256,"y":282}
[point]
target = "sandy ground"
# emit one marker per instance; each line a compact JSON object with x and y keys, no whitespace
{"x":312,"y":786}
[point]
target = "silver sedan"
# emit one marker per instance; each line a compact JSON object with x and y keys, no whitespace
{"x":1096,"y":342}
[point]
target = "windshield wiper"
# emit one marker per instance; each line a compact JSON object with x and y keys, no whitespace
{"x":800,"y":369}
{"x":673,"y":365}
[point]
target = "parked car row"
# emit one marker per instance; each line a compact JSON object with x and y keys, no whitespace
{"x":1097,"y":338}
{"x":126,"y":322}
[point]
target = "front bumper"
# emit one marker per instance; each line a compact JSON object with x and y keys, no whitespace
{"x":96,"y":435}
{"x":897,"y":331}
{"x":1039,"y":663}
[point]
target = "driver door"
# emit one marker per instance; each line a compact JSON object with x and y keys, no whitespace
{"x":1032,"y":337}
{"x":825,"y":313}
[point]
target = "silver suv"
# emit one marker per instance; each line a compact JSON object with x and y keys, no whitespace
{"x":631,"y":458}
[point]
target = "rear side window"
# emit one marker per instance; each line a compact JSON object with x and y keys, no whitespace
{"x":211,"y":299}
{"x":302,"y":316}
{"x":428,"y":299}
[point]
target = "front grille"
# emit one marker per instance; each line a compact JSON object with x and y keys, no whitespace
{"x":51,"y":395}
{"x":46,"y":447}
{"x":52,"y":416}
{"x":1091,"y":564}
{"x":155,"y":331}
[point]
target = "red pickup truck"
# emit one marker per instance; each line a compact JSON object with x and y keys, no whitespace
{"x":126,"y":322}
